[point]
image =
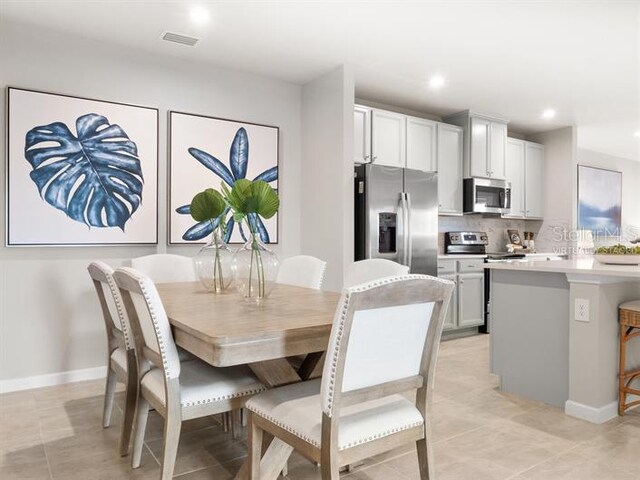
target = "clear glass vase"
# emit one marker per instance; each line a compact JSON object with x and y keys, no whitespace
{"x":255,"y":269}
{"x":213,"y":265}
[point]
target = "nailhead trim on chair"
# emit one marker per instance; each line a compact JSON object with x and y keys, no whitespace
{"x":120,"y":308}
{"x":283,"y":426}
{"x":322,"y":274}
{"x":343,"y":313}
{"x":386,"y":433}
{"x":154,"y":320}
{"x":313,"y":442}
{"x":224,"y":397}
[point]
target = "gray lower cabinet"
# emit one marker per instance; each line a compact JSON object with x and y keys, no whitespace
{"x":466,"y":309}
{"x":451,"y":320}
{"x":470,"y":300}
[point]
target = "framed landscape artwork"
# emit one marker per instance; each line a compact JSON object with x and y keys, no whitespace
{"x":206,"y":151}
{"x":599,"y":200}
{"x":80,"y":171}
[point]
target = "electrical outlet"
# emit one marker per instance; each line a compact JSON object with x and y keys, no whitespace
{"x":582,"y":310}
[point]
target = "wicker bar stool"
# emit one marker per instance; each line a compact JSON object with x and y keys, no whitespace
{"x":629,"y":328}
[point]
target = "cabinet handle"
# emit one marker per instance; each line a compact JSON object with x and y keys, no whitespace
{"x":461,"y":282}
{"x":374,"y":158}
{"x":366,"y":157}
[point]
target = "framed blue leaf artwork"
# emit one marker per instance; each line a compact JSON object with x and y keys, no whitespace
{"x":207,"y":151}
{"x":80,"y":171}
{"x":599,"y":200}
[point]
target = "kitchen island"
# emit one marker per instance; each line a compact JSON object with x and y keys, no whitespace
{"x":554,"y":332}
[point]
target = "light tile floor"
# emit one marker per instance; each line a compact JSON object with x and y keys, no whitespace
{"x":479,"y":433}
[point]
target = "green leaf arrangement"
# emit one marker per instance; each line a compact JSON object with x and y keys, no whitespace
{"x":248,"y":198}
{"x":207,"y":205}
{"x":210,"y":205}
{"x":246,"y":201}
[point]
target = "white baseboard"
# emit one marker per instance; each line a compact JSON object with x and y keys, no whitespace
{"x":591,"y":414}
{"x":595,"y":415}
{"x":37,"y":381}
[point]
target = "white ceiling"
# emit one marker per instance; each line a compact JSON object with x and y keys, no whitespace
{"x":512,"y":58}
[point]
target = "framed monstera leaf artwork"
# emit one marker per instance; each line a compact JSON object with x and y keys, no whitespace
{"x":80,"y":171}
{"x":206,"y":152}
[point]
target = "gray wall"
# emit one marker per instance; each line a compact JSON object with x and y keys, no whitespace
{"x":49,"y":318}
{"x":560,"y":188}
{"x":327,"y":157}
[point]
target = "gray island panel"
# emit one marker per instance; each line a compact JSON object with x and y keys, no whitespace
{"x":530,"y":334}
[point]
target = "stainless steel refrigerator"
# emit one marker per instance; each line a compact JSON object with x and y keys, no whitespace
{"x":396,"y":216}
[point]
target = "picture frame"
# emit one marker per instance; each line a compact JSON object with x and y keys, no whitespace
{"x":599,"y":200}
{"x":200,"y":157}
{"x":80,"y":171}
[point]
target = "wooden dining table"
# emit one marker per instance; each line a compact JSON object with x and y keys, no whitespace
{"x":223,"y":330}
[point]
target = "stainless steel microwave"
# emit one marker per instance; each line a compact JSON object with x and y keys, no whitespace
{"x":483,"y":195}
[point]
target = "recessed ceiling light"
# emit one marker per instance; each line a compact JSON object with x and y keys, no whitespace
{"x":548,"y":114}
{"x":437,"y":81}
{"x":199,"y":15}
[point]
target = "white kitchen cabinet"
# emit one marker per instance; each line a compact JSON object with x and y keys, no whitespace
{"x":497,"y":150}
{"x":534,"y":180}
{"x":449,"y":161}
{"x":388,"y":138}
{"x":515,"y":176}
{"x":421,"y":144}
{"x":485,"y":144}
{"x":451,"y":320}
{"x":470,"y":300}
{"x":525,"y":172}
{"x":361,"y":134}
{"x":479,"y":148}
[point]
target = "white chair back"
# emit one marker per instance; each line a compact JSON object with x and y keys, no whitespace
{"x":365,"y":271}
{"x":166,"y":267}
{"x":302,"y":271}
{"x":386,"y":333}
{"x":111,"y":304}
{"x":149,"y":323}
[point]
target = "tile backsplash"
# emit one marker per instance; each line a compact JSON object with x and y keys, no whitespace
{"x":495,"y":227}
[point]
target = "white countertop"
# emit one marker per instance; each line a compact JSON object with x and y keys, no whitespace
{"x":458,"y":256}
{"x":579,"y":266}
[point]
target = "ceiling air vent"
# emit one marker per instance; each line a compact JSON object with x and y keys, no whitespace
{"x":181,"y":39}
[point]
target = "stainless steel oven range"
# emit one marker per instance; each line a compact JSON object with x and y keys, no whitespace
{"x":475,"y":243}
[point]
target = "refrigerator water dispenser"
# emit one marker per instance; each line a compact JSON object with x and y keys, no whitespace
{"x":387,"y":232}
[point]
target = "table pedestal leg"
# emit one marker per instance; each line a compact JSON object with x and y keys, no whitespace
{"x":274,"y":459}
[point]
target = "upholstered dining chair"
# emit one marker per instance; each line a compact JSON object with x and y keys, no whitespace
{"x":384,"y":342}
{"x":371,"y":269}
{"x":166,"y":267}
{"x":121,"y":361}
{"x":302,"y":271}
{"x":178,"y":391}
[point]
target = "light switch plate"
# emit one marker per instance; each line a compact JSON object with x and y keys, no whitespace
{"x":582,"y":309}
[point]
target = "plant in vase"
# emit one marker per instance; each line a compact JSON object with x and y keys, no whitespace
{"x":213,"y":262}
{"x":255,"y":266}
